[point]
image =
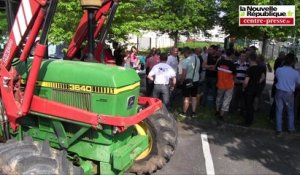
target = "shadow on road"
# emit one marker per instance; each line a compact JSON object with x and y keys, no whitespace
{"x":278,"y":154}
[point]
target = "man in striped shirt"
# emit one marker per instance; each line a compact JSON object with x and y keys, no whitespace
{"x":241,"y":66}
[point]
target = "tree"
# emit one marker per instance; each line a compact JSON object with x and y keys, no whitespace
{"x":130,"y":18}
{"x":66,"y":19}
{"x":177,"y":17}
{"x":167,"y":16}
{"x":230,"y":22}
{"x":3,"y":22}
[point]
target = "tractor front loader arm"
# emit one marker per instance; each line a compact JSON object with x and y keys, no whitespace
{"x":29,"y":20}
{"x":82,"y":29}
{"x":25,"y":18}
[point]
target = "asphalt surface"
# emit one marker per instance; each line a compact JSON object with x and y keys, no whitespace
{"x":234,"y":150}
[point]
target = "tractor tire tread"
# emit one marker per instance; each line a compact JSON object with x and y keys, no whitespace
{"x":29,"y":157}
{"x":163,"y":124}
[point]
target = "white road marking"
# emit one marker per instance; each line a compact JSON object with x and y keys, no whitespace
{"x":207,"y":155}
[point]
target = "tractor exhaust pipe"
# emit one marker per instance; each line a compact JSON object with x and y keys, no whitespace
{"x":91,"y":6}
{"x":91,"y":40}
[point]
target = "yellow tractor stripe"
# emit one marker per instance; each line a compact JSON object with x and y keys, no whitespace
{"x":86,"y":88}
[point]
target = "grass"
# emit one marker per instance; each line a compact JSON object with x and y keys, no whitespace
{"x":261,"y":117}
{"x":197,"y":44}
{"x":191,"y":44}
{"x":208,"y":114}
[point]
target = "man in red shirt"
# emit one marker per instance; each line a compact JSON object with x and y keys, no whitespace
{"x":150,"y":63}
{"x":153,"y":60}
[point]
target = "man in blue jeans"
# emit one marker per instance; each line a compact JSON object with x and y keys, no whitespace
{"x":287,"y":78}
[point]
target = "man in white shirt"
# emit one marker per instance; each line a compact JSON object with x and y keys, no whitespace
{"x":172,"y":58}
{"x":161,"y":74}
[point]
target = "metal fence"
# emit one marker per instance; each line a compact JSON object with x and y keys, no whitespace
{"x":2,"y":5}
{"x":273,"y":48}
{"x":146,"y":43}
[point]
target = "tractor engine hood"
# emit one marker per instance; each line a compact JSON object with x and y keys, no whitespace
{"x":82,"y":73}
{"x":99,"y":88}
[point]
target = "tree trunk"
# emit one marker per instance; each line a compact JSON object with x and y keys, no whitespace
{"x":175,"y":38}
{"x":264,"y":44}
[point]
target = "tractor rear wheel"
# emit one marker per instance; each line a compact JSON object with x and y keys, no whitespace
{"x":162,"y":132}
{"x":28,"y":157}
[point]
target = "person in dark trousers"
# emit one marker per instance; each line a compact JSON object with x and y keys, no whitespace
{"x":262,"y":84}
{"x":198,"y":52}
{"x":254,"y":76}
{"x":149,"y":83}
{"x":150,"y":63}
{"x":287,"y":79}
{"x":118,"y":54}
{"x":173,"y":61}
{"x":210,"y":75}
{"x":190,"y":71}
{"x":241,"y":65}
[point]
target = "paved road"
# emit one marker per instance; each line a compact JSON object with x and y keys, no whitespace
{"x":234,"y":151}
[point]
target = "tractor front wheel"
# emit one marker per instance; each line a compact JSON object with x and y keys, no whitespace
{"x":28,"y":157}
{"x":162,"y":133}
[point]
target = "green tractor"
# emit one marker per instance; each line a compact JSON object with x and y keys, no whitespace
{"x":71,"y":117}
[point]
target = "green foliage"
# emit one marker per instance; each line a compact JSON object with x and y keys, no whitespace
{"x":66,"y":19}
{"x":181,"y":17}
{"x":198,"y":44}
{"x":167,"y":16}
{"x":3,"y":22}
{"x":132,"y":16}
{"x":230,"y":21}
{"x":129,"y":18}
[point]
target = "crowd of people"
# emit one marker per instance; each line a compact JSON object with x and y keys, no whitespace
{"x":228,"y":80}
